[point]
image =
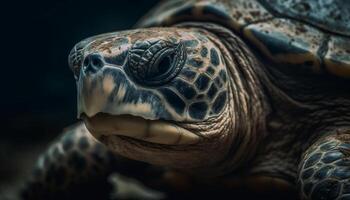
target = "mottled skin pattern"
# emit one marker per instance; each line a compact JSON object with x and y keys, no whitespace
{"x":257,"y":97}
{"x":197,"y":91}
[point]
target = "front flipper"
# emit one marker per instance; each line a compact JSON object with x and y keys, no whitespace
{"x":324,"y":172}
{"x":76,"y":166}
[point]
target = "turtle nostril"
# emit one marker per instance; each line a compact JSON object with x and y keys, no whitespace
{"x":92,"y":63}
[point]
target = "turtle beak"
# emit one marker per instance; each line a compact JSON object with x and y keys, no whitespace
{"x":93,"y":87}
{"x":154,"y":131}
{"x":104,"y":88}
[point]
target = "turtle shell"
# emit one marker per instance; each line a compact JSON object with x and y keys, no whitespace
{"x":313,"y":34}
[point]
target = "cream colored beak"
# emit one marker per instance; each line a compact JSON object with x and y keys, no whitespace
{"x":154,"y":131}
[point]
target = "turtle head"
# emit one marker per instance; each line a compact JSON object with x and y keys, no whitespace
{"x":158,"y":95}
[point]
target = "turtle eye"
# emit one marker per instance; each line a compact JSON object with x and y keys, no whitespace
{"x":155,"y":64}
{"x":161,"y":66}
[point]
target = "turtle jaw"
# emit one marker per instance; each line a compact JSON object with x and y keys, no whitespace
{"x":194,"y":148}
{"x":152,"y":131}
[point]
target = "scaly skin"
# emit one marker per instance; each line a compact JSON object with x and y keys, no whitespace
{"x":254,"y":134}
{"x":215,"y":121}
{"x":325,"y":170}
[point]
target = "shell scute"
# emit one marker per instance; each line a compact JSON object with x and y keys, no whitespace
{"x":308,"y":35}
{"x":286,"y":41}
{"x":337,"y":59}
{"x":233,"y":14}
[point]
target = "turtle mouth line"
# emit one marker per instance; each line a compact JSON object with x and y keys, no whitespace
{"x":153,"y":131}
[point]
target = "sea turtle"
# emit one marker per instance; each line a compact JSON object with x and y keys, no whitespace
{"x":230,"y":92}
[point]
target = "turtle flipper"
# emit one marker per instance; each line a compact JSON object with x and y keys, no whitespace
{"x":77,"y":166}
{"x":324,"y":172}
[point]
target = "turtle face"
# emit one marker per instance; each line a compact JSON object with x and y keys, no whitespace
{"x":150,"y":86}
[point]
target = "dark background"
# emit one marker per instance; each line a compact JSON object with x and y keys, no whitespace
{"x":38,"y":94}
{"x":37,"y":89}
